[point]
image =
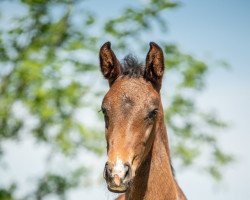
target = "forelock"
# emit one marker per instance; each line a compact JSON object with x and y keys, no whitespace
{"x":132,"y":67}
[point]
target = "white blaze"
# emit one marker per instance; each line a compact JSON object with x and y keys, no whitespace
{"x":119,"y":168}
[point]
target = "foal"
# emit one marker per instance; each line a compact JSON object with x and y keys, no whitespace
{"x":137,"y":145}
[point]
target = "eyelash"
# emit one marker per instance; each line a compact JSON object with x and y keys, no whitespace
{"x":152,"y":114}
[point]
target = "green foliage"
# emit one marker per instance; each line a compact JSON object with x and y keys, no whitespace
{"x":44,"y":68}
{"x":56,"y":184}
{"x":7,"y":193}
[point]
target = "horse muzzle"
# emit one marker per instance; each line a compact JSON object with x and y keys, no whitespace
{"x":118,"y":176}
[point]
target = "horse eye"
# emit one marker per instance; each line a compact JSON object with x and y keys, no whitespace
{"x":104,"y":111}
{"x":152,"y":114}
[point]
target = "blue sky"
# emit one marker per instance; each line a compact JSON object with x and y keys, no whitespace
{"x":215,"y":29}
{"x":221,"y":28}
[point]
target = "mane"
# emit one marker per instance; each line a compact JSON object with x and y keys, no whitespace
{"x":172,"y":168}
{"x":132,"y":67}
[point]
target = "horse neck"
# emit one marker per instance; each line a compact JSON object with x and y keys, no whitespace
{"x":154,"y":179}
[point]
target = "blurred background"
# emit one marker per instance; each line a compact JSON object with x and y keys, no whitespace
{"x":52,"y":142}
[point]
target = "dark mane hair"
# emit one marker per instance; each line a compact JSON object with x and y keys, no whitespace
{"x":132,"y":67}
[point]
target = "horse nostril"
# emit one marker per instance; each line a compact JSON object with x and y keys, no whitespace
{"x":127,"y":171}
{"x":107,"y":172}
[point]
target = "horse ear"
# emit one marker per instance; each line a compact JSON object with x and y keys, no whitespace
{"x":109,"y":64}
{"x":155,"y":65}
